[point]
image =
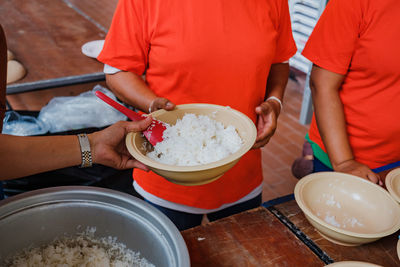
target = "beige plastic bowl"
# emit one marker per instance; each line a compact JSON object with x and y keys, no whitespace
{"x":352,"y":264}
{"x":398,"y":249}
{"x":393,"y":183}
{"x":346,"y":209}
{"x":200,"y":174}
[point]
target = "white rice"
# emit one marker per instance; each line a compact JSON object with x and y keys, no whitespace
{"x":196,"y":140}
{"x":83,"y":250}
{"x":331,"y":219}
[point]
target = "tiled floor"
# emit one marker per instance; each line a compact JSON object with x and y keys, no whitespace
{"x":278,"y":154}
{"x":286,"y":145}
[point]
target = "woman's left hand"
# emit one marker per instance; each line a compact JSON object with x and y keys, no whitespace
{"x":267,"y":117}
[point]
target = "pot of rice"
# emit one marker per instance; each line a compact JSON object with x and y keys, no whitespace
{"x":86,"y":226}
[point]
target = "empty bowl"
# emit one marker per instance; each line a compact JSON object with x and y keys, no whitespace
{"x":392,"y":182}
{"x":199,"y":174}
{"x":352,"y":264}
{"x":346,"y":209}
{"x":92,"y":48}
{"x":398,"y":249}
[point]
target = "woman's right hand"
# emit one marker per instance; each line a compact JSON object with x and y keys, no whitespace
{"x":161,"y":103}
{"x":358,"y":169}
{"x":108,"y":145}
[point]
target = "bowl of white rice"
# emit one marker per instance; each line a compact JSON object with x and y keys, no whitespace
{"x":346,"y":209}
{"x":201,"y":143}
{"x":87,"y":226}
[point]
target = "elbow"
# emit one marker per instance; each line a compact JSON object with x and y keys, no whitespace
{"x":312,"y":86}
{"x":109,"y":81}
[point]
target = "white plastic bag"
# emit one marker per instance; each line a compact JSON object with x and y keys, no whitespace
{"x":16,"y":124}
{"x":78,"y":112}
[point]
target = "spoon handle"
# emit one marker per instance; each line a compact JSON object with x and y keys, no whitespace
{"x":134,"y":116}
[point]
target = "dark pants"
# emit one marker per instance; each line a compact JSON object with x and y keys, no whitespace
{"x":320,"y":167}
{"x":184,"y":220}
{"x":1,"y":191}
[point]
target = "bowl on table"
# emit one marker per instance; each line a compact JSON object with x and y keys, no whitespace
{"x":352,"y":264}
{"x":346,"y":209}
{"x":398,"y":248}
{"x":199,"y":174}
{"x":392,"y":183}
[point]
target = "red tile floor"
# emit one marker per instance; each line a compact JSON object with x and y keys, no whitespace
{"x":278,"y":155}
{"x":286,"y":144}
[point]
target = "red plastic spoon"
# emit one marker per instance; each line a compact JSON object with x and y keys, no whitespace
{"x":154,"y":133}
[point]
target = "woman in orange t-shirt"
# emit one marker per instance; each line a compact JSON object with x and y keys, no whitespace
{"x":355,"y":83}
{"x":230,"y":53}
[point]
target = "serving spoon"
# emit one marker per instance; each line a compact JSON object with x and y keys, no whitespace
{"x":153,"y":133}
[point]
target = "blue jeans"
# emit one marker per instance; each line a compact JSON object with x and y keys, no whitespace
{"x":184,"y":220}
{"x":320,"y":167}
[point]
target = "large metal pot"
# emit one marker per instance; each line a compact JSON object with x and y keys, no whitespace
{"x":38,"y":217}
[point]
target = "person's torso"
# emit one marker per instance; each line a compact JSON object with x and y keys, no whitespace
{"x":216,"y":52}
{"x":371,"y":90}
{"x":211,"y":51}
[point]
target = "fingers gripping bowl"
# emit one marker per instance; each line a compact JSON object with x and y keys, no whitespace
{"x":346,"y":209}
{"x":199,"y":174}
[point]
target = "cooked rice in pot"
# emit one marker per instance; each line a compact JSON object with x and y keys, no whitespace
{"x":82,"y":250}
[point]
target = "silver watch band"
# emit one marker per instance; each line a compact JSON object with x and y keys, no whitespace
{"x":85,"y":151}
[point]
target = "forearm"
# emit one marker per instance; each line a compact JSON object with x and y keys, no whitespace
{"x":277,"y":81}
{"x":22,"y":156}
{"x":329,"y":114}
{"x":131,"y":89}
{"x":269,"y":110}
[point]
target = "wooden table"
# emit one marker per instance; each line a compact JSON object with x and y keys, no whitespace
{"x":46,"y":37}
{"x":277,"y":235}
{"x":252,"y":238}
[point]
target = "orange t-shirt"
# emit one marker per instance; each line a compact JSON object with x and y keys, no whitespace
{"x":209,"y":51}
{"x":360,"y":39}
